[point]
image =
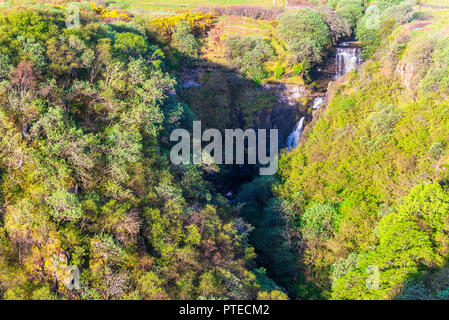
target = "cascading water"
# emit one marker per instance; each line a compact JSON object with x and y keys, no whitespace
{"x":348,"y":58}
{"x":293,"y":138}
{"x":317,"y":103}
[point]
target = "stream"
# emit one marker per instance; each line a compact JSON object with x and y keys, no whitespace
{"x":346,"y":57}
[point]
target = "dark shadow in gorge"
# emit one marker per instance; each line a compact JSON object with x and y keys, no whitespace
{"x":223,"y":99}
{"x":432,"y":284}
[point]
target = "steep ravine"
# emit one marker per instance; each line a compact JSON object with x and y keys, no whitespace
{"x":287,"y":114}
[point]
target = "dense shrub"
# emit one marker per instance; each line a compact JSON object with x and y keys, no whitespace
{"x":379,"y":21}
{"x":199,"y":22}
{"x":319,"y":221}
{"x":184,"y":41}
{"x":437,"y":150}
{"x":385,"y":4}
{"x":403,"y":246}
{"x":111,"y":15}
{"x":338,"y":27}
{"x":385,"y":118}
{"x":437,"y":77}
{"x":85,"y":174}
{"x":400,"y":13}
{"x":278,"y":71}
{"x":368,"y":31}
{"x":350,"y":10}
{"x":298,"y":68}
{"x":129,"y":44}
{"x":248,"y":54}
{"x":305,"y":33}
{"x":274,"y":235}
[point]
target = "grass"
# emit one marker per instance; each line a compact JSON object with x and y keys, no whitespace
{"x":436,"y":2}
{"x":185,"y":5}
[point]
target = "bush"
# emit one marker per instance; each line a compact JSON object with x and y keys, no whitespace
{"x":385,"y":119}
{"x":279,"y":71}
{"x":350,"y":10}
{"x":305,"y":33}
{"x":5,"y":67}
{"x":298,"y":68}
{"x":408,"y":241}
{"x":199,"y":22}
{"x":399,"y":13}
{"x":127,"y":44}
{"x":109,"y":16}
{"x":305,"y":23}
{"x":437,"y":150}
{"x":319,"y":221}
{"x":338,"y":27}
{"x":184,"y":41}
{"x":437,"y":76}
{"x":385,"y":4}
{"x":248,"y":54}
{"x":379,"y":21}
{"x":306,"y":51}
{"x":29,"y":24}
{"x":368,"y":31}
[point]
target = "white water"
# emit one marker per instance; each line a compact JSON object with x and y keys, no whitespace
{"x":317,"y":103}
{"x":348,"y":58}
{"x":293,"y":138}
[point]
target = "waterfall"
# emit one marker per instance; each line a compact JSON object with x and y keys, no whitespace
{"x":293,"y":138}
{"x":348,"y":58}
{"x":317,"y":103}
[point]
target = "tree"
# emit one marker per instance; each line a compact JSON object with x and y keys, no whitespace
{"x":128,"y":44}
{"x":184,"y":40}
{"x":351,"y":10}
{"x":409,"y":240}
{"x":248,"y":54}
{"x":319,"y":221}
{"x":305,"y":33}
{"x":23,"y":79}
{"x":5,"y":67}
{"x":338,"y":27}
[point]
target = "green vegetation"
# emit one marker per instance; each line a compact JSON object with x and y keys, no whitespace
{"x":164,"y":7}
{"x":308,"y":33}
{"x":373,"y":170}
{"x":351,"y":10}
{"x":184,"y":41}
{"x":305,"y":33}
{"x":84,"y":174}
{"x":359,"y":210}
{"x":410,"y":239}
{"x":248,"y":54}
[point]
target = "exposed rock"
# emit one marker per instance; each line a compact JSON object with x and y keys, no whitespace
{"x":407,"y":74}
{"x":287,"y":94}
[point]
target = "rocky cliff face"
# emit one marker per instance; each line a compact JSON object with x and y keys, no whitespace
{"x":406,"y":71}
{"x":287,"y":110}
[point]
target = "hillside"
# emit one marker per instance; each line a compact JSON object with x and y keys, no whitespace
{"x":92,"y":206}
{"x":377,"y":156}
